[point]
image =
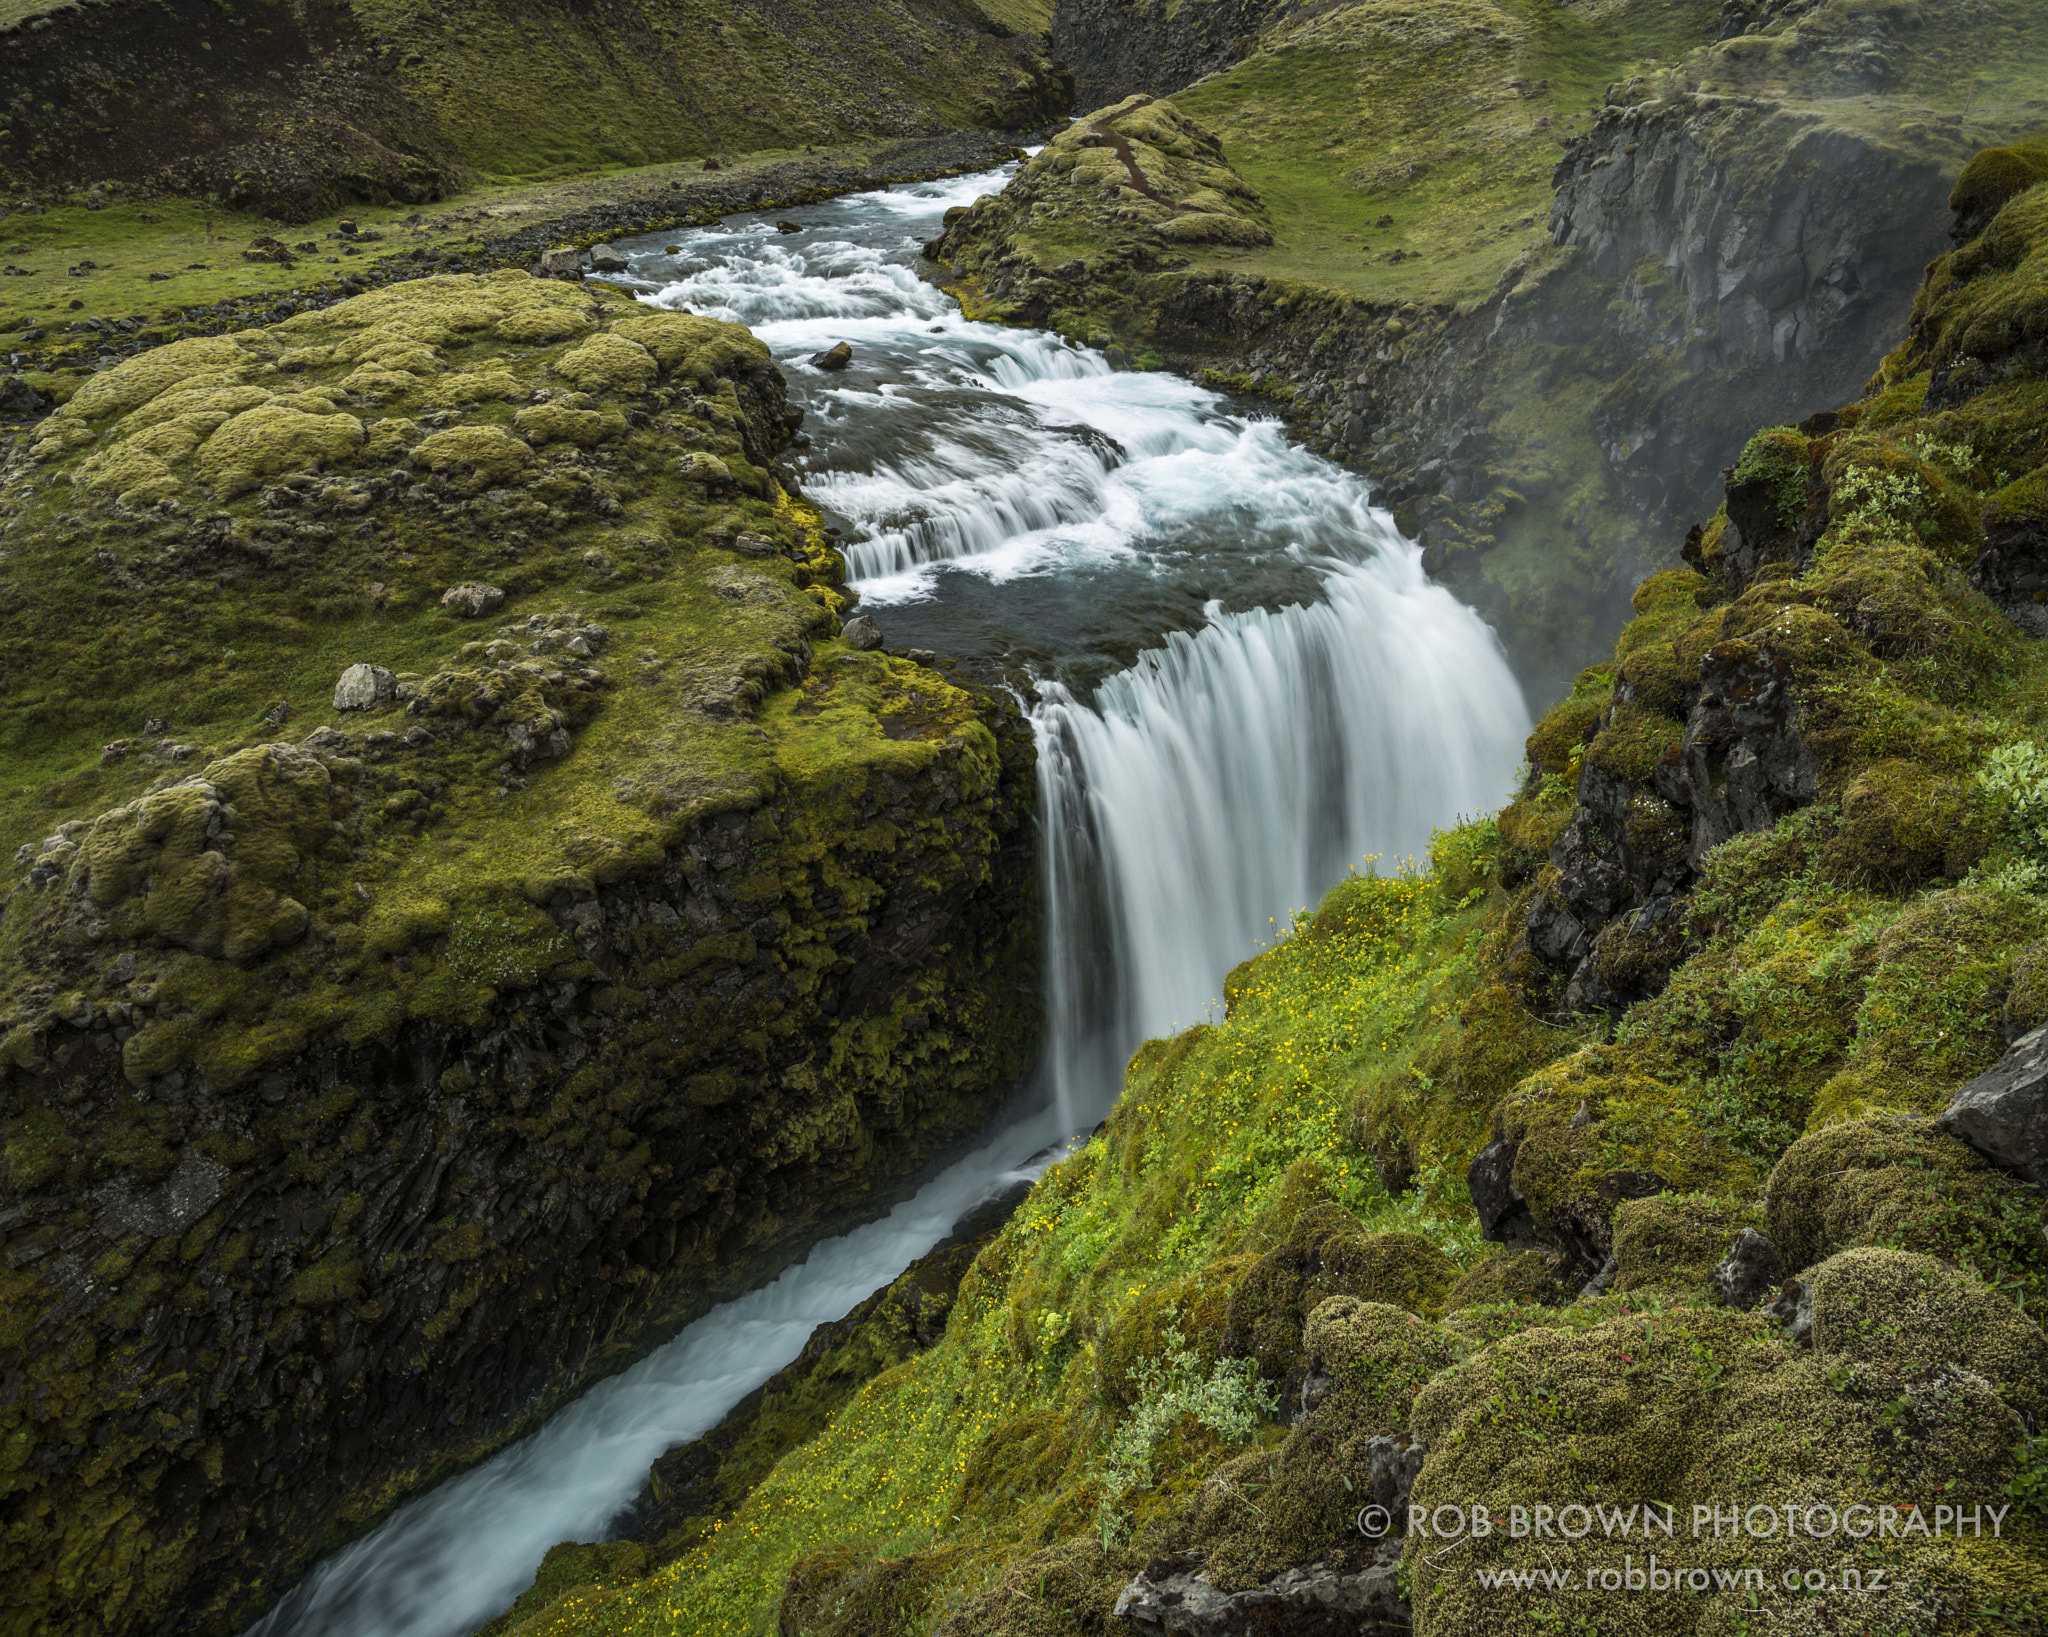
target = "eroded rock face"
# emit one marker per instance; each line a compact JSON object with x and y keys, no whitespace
{"x":418,"y":1072}
{"x":1173,"y":1595}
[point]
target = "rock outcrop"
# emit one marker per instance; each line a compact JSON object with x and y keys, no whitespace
{"x":1736,"y":238}
{"x":367,"y":1093}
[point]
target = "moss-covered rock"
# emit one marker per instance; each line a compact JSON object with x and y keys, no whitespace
{"x":564,"y":990}
{"x":1327,"y":1254}
{"x":1681,"y":1408}
{"x":1676,"y":1241}
{"x":1902,"y":1184}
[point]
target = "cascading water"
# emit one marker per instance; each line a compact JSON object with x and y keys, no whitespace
{"x":1244,"y":681}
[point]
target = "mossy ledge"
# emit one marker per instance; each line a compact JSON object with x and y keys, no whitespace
{"x":615,"y":933}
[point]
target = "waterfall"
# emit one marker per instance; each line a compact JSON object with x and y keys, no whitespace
{"x":1230,"y":777}
{"x":1313,"y":699}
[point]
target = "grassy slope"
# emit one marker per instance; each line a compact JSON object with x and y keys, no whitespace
{"x":1328,"y":122}
{"x":519,"y":94}
{"x":1838,"y":973}
{"x":201,"y":249}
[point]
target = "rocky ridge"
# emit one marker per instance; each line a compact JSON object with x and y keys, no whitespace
{"x":292,"y":114}
{"x":614,"y":931}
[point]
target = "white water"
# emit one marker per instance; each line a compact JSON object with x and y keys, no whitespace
{"x":1231,"y":777}
{"x":454,"y":1557}
{"x":1005,"y":489}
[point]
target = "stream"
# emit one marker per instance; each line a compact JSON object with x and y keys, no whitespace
{"x":1241,"y":683}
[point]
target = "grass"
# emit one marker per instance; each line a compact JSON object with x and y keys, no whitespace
{"x":129,"y":241}
{"x":1375,"y":111}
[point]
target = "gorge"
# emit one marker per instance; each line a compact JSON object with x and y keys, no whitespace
{"x":766,"y":882}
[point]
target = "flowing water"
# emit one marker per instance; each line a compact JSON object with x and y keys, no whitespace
{"x":1241,"y":684}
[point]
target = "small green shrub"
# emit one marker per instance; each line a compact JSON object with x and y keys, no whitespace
{"x":1230,"y":1400}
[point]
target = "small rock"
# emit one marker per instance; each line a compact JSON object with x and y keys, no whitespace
{"x":837,"y":358}
{"x":1749,"y":1272}
{"x":920,"y":656}
{"x":605,"y":258}
{"x":472,"y":599}
{"x":714,"y":164}
{"x":364,"y":687}
{"x":324,"y":738}
{"x":2003,"y":1113}
{"x":17,"y":397}
{"x":1794,"y":1310}
{"x":789,"y":227}
{"x":862,"y":632}
{"x":116,"y":749}
{"x":559,"y":263}
{"x":278,"y":714}
{"x":751,"y":545}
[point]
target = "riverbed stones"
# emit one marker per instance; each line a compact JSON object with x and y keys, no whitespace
{"x":364,"y":687}
{"x":472,"y":600}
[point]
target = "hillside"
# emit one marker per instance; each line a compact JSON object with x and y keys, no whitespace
{"x":1599,"y":1165}
{"x":293,"y":110}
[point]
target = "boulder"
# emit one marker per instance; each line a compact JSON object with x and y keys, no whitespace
{"x":1504,"y":1215}
{"x":837,"y":358}
{"x":364,"y":687}
{"x":2003,"y":1113}
{"x":789,"y":227}
{"x":1749,"y":1272}
{"x":1175,"y":1595}
{"x":17,"y":397}
{"x":472,"y":599}
{"x":862,"y":632}
{"x":559,"y":263}
{"x":606,"y":258}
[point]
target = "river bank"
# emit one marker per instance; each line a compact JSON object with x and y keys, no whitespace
{"x":57,"y":332}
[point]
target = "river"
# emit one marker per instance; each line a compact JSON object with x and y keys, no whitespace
{"x":1241,"y":683}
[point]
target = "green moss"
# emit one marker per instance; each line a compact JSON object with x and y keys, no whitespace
{"x":1675,"y":1241}
{"x":1995,"y":177}
{"x":1900,"y":1183}
{"x":1507,"y":1276}
{"x":1676,"y":1407}
{"x":1902,"y":825}
{"x":1777,"y":458}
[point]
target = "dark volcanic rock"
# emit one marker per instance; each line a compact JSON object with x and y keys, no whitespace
{"x":2003,"y":1113}
{"x":1174,"y":1596}
{"x":834,"y":357}
{"x":1749,"y":1272}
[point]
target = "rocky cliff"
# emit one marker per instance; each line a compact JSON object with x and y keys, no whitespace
{"x":1121,"y":48}
{"x":1541,"y":330}
{"x":471,"y":912}
{"x":292,"y":111}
